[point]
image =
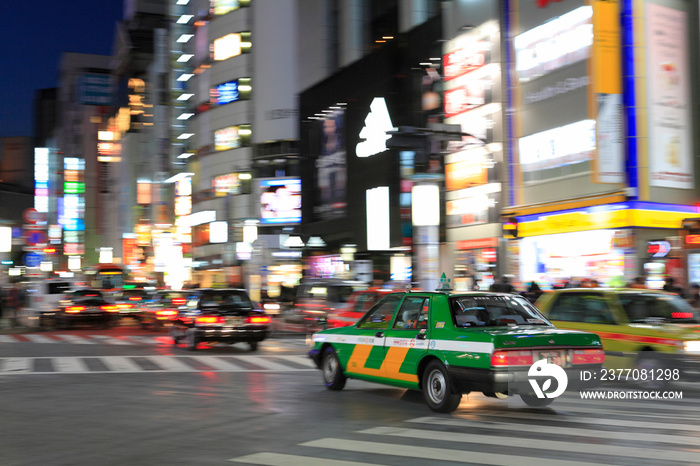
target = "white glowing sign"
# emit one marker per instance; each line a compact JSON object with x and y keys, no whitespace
{"x":555,"y":44}
{"x":41,"y":179}
{"x":565,"y":145}
{"x":227,"y":46}
{"x":375,"y":135}
{"x":378,"y":218}
{"x":227,"y":138}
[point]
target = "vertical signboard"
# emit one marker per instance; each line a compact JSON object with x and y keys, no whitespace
{"x":607,"y":88}
{"x":670,"y":138}
{"x":331,"y":167}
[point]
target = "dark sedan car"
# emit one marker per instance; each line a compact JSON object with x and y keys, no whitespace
{"x":81,"y":307}
{"x":222,"y":316}
{"x":162,"y":308}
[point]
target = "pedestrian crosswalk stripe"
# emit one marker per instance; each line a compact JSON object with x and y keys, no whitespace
{"x":16,"y":365}
{"x":217,"y":363}
{"x":527,"y":443}
{"x":302,"y":360}
{"x":65,"y":364}
{"x":277,"y":459}
{"x":624,"y":423}
{"x":121,"y":364}
{"x":39,"y":338}
{"x":665,"y":405}
{"x":556,"y":430}
{"x":442,"y":454}
{"x":7,"y":339}
{"x":109,"y":364}
{"x":111,"y":340}
{"x":171,"y":364}
{"x":76,"y":339}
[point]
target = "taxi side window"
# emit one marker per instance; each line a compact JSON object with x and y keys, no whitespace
{"x":380,"y":315}
{"x":412,"y":309}
{"x":364,"y":302}
{"x":575,"y":307}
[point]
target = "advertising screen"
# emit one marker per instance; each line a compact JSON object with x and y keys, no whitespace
{"x":331,"y":167}
{"x":280,"y":200}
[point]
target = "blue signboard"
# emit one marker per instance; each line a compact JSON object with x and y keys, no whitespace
{"x":32,"y":259}
{"x":227,"y":92}
{"x":94,"y":89}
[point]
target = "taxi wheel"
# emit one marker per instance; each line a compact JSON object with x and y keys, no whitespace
{"x":333,"y":375}
{"x":175,"y":334}
{"x":191,"y":340}
{"x":253,"y":345}
{"x":437,"y":389}
{"x":534,"y":402}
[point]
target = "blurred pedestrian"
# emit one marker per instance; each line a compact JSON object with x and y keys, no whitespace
{"x":638,"y":282}
{"x":533,"y":292}
{"x":694,"y":296}
{"x":671,"y":287}
{"x":503,"y":286}
{"x":12,"y":304}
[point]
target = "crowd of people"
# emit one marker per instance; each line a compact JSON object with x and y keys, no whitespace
{"x":534,"y":291}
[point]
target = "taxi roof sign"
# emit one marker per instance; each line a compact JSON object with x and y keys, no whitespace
{"x":444,"y":284}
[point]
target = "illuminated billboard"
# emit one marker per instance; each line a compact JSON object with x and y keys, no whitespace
{"x":280,"y":200}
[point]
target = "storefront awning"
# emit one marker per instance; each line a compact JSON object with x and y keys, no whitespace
{"x":576,"y":203}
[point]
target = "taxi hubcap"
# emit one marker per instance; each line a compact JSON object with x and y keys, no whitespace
{"x":437,"y":386}
{"x":329,"y":368}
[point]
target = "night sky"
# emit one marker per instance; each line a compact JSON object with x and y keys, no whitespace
{"x":34,"y":34}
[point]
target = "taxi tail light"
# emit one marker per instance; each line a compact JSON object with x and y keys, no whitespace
{"x":75,"y":309}
{"x":166,"y":313}
{"x":259,"y":320}
{"x":511,"y":358}
{"x":178,"y":301}
{"x":109,"y":308}
{"x":125,"y":306}
{"x":135,"y":298}
{"x":588,"y":356}
{"x":209,"y":320}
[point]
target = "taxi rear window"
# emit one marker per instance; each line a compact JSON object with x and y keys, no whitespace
{"x":494,"y":311}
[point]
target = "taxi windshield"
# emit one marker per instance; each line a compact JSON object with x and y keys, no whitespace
{"x":494,"y":311}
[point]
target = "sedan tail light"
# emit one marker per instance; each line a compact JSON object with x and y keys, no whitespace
{"x":166,"y":313}
{"x":259,"y":320}
{"x":511,"y":358}
{"x":588,"y":356}
{"x":109,"y":308}
{"x":178,"y":301}
{"x":206,"y":320}
{"x":134,"y":298}
{"x":75,"y":309}
{"x":125,"y":306}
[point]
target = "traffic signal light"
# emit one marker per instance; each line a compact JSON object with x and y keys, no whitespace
{"x":510,"y":227}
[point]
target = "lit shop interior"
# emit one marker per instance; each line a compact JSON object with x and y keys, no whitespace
{"x":552,"y":260}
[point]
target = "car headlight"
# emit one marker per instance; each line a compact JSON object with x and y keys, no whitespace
{"x":692,"y":346}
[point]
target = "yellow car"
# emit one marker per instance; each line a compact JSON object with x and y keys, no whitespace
{"x":650,"y":337}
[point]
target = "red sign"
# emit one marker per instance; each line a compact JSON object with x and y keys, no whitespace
{"x":31,"y":215}
{"x":463,"y":61}
{"x":477,"y":243}
{"x":692,"y":239}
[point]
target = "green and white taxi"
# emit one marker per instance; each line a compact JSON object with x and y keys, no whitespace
{"x":448,"y":344}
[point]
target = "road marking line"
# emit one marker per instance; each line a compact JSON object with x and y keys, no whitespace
{"x":171,"y":363}
{"x":303,"y":360}
{"x":639,"y":451}
{"x":218,"y":364}
{"x":15,"y":365}
{"x":76,"y":339}
{"x":624,"y":423}
{"x":432,"y":454}
{"x":39,"y":338}
{"x":143,"y":339}
{"x":66,"y":364}
{"x":265,"y":364}
{"x":111,"y":340}
{"x":120,"y":364}
{"x":277,"y":459}
{"x":7,"y":339}
{"x":545,"y":429}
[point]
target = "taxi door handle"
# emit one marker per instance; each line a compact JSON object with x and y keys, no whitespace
{"x":420,"y":336}
{"x":379,"y":334}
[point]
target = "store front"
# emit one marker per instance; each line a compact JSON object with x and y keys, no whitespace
{"x":611,"y":243}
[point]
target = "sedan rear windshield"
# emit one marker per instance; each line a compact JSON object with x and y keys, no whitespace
{"x":236,"y":299}
{"x":494,"y":311}
{"x":650,"y":307}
